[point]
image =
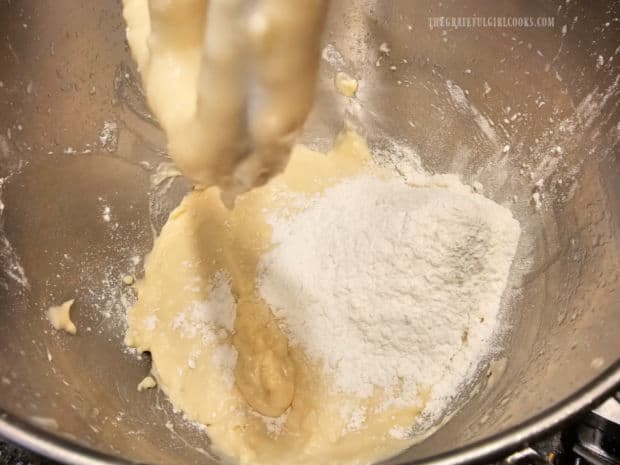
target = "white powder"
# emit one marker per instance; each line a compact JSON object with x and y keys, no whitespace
{"x":225,"y":358}
{"x":399,"y":432}
{"x":108,"y":137}
{"x":213,"y":321}
{"x":274,"y":425}
{"x":332,"y":56}
{"x":355,"y":419}
{"x":206,"y":318}
{"x":391,"y":285}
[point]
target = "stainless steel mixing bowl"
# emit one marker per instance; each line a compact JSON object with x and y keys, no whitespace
{"x":505,"y":106}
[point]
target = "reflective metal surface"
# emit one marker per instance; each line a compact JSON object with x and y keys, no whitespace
{"x":506,"y":107}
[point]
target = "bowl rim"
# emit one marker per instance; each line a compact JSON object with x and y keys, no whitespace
{"x":496,"y":446}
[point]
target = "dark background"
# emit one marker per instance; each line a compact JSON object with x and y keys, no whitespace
{"x":13,"y":455}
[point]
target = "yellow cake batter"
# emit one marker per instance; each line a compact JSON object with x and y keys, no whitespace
{"x":232,"y":85}
{"x":276,"y":407}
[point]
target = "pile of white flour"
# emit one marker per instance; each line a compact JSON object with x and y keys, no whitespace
{"x":391,"y":285}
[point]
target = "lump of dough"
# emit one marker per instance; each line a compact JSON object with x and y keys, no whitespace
{"x":147,"y":383}
{"x":60,"y":317}
{"x":345,"y":84}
